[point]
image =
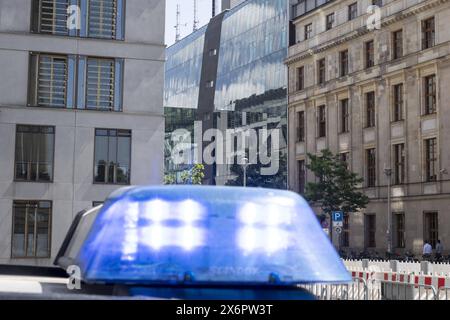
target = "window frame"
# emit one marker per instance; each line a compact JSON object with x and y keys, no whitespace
{"x":106,"y":167}
{"x":343,"y":63}
{"x":371,"y":168}
{"x":75,"y":82}
{"x":398,"y":102}
{"x":370,"y":109}
{"x":430,"y":109}
{"x":344,"y":108}
{"x":399,"y":163}
{"x":428,"y":33}
{"x":369,"y":54}
{"x":321,"y":121}
{"x":345,"y":157}
{"x":300,"y":78}
{"x":400,"y":230}
{"x":120,"y":23}
{"x":329,"y":23}
{"x":352,"y":11}
{"x":397,"y":44}
{"x":430,"y":230}
{"x":321,"y":71}
{"x":370,"y":228}
{"x":301,"y":126}
{"x":308,"y":30}
{"x":431,"y":160}
{"x":53,"y":155}
{"x":28,"y":203}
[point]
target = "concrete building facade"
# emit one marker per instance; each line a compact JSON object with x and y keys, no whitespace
{"x":81,"y":113}
{"x":372,"y":86}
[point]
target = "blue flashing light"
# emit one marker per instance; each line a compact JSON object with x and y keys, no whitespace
{"x":208,"y":235}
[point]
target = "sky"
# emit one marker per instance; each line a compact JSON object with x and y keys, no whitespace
{"x":187,"y":16}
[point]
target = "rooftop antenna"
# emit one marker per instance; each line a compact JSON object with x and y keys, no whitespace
{"x":196,"y":22}
{"x":213,"y":8}
{"x":178,"y":25}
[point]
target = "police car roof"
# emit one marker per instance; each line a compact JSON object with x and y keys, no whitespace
{"x":200,"y":235}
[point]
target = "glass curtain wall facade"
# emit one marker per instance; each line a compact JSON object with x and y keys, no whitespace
{"x":245,"y":79}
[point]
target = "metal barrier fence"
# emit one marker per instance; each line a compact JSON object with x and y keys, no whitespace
{"x":386,"y":284}
{"x":359,"y":289}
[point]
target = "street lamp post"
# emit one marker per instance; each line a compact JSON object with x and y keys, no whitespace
{"x":245,"y":166}
{"x":388,"y":173}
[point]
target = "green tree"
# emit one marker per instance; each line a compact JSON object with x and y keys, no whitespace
{"x":197,"y":174}
{"x":170,"y":179}
{"x":337,"y":187}
{"x":193,"y":176}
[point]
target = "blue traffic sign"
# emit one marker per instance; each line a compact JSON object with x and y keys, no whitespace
{"x":338,"y":216}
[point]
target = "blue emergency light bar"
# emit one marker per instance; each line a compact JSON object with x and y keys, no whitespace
{"x":198,"y":235}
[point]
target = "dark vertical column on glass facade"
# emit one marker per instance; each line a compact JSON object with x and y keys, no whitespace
{"x":208,"y":83}
{"x":210,"y":64}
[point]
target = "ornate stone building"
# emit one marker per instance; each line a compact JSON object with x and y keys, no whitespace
{"x":372,"y":86}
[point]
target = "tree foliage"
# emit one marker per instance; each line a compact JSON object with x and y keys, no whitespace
{"x":193,"y":176}
{"x":336,"y":188}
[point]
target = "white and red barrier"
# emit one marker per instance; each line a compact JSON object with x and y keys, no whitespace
{"x":406,"y":286}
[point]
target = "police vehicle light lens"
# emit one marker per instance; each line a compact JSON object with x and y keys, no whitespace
{"x":148,"y":235}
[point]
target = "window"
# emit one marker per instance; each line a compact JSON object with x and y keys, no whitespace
{"x":398,"y":102}
{"x":80,"y":82}
{"x":378,"y":3}
{"x":371,"y":168}
{"x":430,"y":94}
{"x":397,"y":44}
{"x":345,"y":239}
{"x":399,"y":163}
{"x":345,"y":116}
{"x":343,"y":63}
{"x":102,"y":19}
{"x":321,"y":71}
{"x":301,"y":176}
{"x":431,"y":228}
{"x":370,"y":231}
{"x":399,"y":227}
{"x":329,"y":22}
{"x":31,"y":229}
{"x":34,"y":153}
{"x":301,"y":126}
{"x":431,"y":160}
{"x":322,"y":122}
{"x":97,"y":18}
{"x":112,"y":156}
{"x":300,"y":78}
{"x":345,"y":158}
{"x":48,"y":80}
{"x":370,"y":109}
{"x":100,"y":83}
{"x":50,"y":16}
{"x":428,"y":33}
{"x":308,"y":31}
{"x":369,"y":52}
{"x":352,"y":11}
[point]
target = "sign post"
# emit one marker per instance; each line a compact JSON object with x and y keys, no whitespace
{"x":338,"y":223}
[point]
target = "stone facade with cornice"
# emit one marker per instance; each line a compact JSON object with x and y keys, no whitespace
{"x":415,"y":198}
